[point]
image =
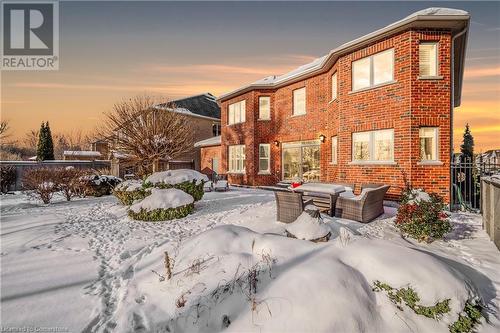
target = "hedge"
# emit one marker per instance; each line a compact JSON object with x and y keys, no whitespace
{"x":162,"y":214}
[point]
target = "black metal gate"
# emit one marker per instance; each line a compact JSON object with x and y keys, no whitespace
{"x":466,"y":183}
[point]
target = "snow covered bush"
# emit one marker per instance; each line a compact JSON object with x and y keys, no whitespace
{"x":7,"y":177}
{"x":129,"y":191}
{"x":189,"y":181}
{"x":309,"y":226}
{"x":162,"y":204}
{"x":99,"y":185}
{"x":41,"y":183}
{"x":421,"y":216}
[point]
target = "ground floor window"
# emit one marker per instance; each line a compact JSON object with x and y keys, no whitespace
{"x":301,"y":160}
{"x":373,"y":146}
{"x":428,"y":143}
{"x":264,"y":157}
{"x":237,"y":158}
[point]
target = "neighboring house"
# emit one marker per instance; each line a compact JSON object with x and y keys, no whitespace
{"x":102,"y":146}
{"x":81,"y":155}
{"x":489,"y":157}
{"x":377,"y":109}
{"x":204,"y":112}
{"x":210,"y":155}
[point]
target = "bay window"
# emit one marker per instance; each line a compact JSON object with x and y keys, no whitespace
{"x":373,"y":146}
{"x":236,"y":113}
{"x":264,"y":158}
{"x":373,"y":70}
{"x":299,"y":101}
{"x":428,"y":59}
{"x":264,"y":107}
{"x":429,"y":143}
{"x":237,"y":159}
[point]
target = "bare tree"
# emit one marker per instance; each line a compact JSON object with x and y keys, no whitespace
{"x":4,"y":129}
{"x":30,"y":139}
{"x":147,"y":134}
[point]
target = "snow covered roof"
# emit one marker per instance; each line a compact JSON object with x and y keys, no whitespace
{"x":455,"y":19}
{"x":203,"y":105}
{"x":87,"y":153}
{"x":214,"y":141}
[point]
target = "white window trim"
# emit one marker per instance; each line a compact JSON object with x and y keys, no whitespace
{"x":371,"y":149}
{"x":430,"y":77}
{"x":372,"y":85}
{"x":336,"y":87}
{"x":293,"y":102}
{"x":269,"y":118}
{"x":233,"y":171}
{"x":268,"y":171}
{"x":242,"y":112}
{"x":436,"y":161}
{"x":336,"y":140}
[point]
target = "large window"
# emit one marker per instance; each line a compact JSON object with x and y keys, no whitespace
{"x":299,"y":101}
{"x":236,"y":113}
{"x":216,"y":129}
{"x":334,"y":86}
{"x":373,"y":146}
{"x":264,"y":107}
{"x":334,"y":150}
{"x":428,"y":59}
{"x":428,"y":143}
{"x":264,"y":158}
{"x":237,"y":159}
{"x":373,"y":70}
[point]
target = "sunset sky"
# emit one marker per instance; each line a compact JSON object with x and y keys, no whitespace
{"x":113,"y":50}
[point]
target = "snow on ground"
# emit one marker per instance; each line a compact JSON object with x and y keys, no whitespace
{"x":86,"y":266}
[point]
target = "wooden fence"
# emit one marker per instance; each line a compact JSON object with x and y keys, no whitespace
{"x":490,"y":204}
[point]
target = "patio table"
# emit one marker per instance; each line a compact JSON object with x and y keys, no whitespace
{"x":324,"y":195}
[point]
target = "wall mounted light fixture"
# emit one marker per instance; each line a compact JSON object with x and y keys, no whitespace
{"x":276,"y":143}
{"x":322,"y":138}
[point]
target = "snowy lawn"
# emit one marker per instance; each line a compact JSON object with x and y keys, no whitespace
{"x":86,"y":266}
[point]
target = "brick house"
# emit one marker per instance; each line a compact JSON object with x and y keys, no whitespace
{"x":376,"y":109}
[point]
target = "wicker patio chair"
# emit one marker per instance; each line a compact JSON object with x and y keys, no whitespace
{"x":364,"y":207}
{"x":289,"y":206}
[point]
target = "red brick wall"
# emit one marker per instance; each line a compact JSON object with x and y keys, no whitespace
{"x":403,"y":105}
{"x":207,"y":154}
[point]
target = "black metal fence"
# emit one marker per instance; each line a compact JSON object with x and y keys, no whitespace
{"x":466,"y":183}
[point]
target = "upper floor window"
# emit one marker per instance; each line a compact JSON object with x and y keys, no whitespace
{"x":299,"y":101}
{"x":264,"y":107}
{"x":236,"y":113}
{"x":428,"y":143}
{"x":237,"y":158}
{"x":373,"y":70}
{"x":428,"y":59}
{"x":334,"y":86}
{"x":216,"y":129}
{"x":264,"y":157}
{"x":334,"y":150}
{"x":373,"y":146}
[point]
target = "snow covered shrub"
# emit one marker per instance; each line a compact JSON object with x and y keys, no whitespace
{"x":99,"y":185}
{"x":7,"y":177}
{"x":189,"y":181}
{"x":41,"y":183}
{"x":410,"y":298}
{"x":468,"y":319}
{"x":421,"y":216}
{"x":163,"y":204}
{"x":129,"y":191}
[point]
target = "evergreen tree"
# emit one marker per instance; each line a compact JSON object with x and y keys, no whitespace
{"x":40,"y":148}
{"x":45,"y":147}
{"x":467,"y":147}
{"x":50,"y":143}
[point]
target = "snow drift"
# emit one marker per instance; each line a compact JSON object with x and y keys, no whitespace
{"x":235,"y":279}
